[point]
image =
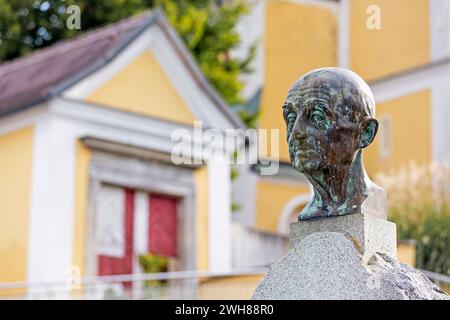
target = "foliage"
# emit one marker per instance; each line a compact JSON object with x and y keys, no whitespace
{"x":235,"y":206}
{"x":25,"y":26}
{"x":152,"y":263}
{"x":208,"y":29}
{"x":234,"y":174}
{"x":206,"y":26}
{"x":419,"y":203}
{"x":250,"y":119}
{"x":432,"y":235}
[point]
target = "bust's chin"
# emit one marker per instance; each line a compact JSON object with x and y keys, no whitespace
{"x":305,"y":166}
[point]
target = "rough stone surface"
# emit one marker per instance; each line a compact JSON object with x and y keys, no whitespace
{"x":328,"y":265}
{"x":370,"y":234}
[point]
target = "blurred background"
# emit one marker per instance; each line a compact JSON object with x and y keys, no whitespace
{"x":92,"y":205}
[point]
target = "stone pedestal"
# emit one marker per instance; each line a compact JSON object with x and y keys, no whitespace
{"x":369,"y":234}
{"x":346,"y":257}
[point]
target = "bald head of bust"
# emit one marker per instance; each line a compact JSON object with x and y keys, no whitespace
{"x":329,"y":115}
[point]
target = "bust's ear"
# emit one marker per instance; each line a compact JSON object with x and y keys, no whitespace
{"x":368,"y":132}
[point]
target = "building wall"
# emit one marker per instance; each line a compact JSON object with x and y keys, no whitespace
{"x":15,"y":176}
{"x":272,"y":197}
{"x":406,"y":252}
{"x":403,"y":42}
{"x":297,"y":38}
{"x":226,"y":288}
{"x":80,"y":225}
{"x":143,"y":87}
{"x":409,"y":133}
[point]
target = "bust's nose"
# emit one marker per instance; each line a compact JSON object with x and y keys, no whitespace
{"x":298,"y":130}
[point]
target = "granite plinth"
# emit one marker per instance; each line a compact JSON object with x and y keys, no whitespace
{"x":342,"y":258}
{"x":369,"y":233}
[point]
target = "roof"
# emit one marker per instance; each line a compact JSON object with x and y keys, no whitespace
{"x":27,"y":81}
{"x":30,"y":79}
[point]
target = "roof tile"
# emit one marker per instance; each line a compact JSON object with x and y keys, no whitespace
{"x":30,"y":79}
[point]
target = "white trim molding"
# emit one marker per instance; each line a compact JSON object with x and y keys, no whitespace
{"x":440,"y":117}
{"x":251,"y":29}
{"x":52,"y":200}
{"x":20,"y":120}
{"x":344,"y":34}
{"x":439,"y":11}
{"x":219,"y":215}
{"x":410,"y":81}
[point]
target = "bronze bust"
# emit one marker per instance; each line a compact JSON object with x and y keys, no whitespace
{"x":329,"y":115}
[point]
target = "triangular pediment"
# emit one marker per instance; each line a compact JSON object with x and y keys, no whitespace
{"x":143,"y":87}
{"x":154,"y":75}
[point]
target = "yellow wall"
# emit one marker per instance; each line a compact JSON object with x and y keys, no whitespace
{"x":406,"y":253}
{"x":229,"y":288}
{"x":15,"y":188}
{"x":297,"y":38}
{"x":83,"y":155}
{"x":143,"y":87}
{"x":201,"y":204}
{"x":401,"y":43}
{"x":271,"y":198}
{"x":410,"y":118}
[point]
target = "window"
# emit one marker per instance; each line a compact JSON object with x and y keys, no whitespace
{"x":141,"y":212}
{"x":120,"y":218}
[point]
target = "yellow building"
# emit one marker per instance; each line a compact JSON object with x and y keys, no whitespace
{"x":89,"y":182}
{"x":88,"y":128}
{"x":400,"y":47}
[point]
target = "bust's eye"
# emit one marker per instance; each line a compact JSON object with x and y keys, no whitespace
{"x":320,"y":119}
{"x":291,"y":117}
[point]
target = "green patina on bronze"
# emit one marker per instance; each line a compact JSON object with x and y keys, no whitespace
{"x":329,"y":115}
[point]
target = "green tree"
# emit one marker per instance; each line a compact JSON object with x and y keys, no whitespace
{"x":206,"y":26}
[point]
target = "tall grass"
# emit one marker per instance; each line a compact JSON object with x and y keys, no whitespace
{"x":419,"y":203}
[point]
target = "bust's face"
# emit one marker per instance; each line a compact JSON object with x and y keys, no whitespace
{"x":323,"y":114}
